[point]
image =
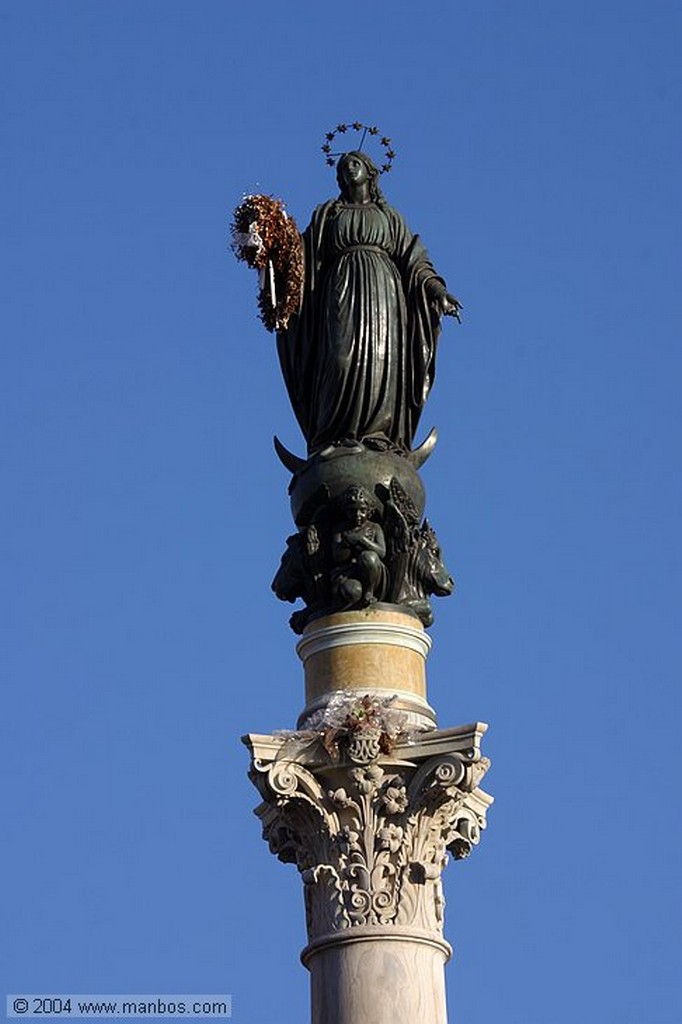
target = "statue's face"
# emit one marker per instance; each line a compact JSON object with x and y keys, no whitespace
{"x":359,"y":514}
{"x":353,"y":170}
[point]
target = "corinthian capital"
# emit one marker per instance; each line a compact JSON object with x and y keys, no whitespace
{"x":369,"y":831}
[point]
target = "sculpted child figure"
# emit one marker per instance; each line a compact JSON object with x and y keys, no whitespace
{"x":358,"y":550}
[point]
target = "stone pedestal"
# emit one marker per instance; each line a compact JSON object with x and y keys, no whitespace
{"x":368,"y":799}
{"x":377,"y":652}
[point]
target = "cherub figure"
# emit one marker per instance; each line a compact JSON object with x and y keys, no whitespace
{"x":358,"y":549}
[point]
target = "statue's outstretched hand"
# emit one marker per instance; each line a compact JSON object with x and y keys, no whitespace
{"x":450,"y":306}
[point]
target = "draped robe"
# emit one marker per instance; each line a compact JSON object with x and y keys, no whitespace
{"x":358,"y":359}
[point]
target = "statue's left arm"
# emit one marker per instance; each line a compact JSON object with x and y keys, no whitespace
{"x":416,"y":267}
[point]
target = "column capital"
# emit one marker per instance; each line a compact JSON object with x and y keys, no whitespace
{"x":370,"y":825}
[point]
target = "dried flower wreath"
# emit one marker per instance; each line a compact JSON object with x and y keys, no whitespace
{"x":266,"y":238}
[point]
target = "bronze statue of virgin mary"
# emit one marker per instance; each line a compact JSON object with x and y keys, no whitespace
{"x":358,"y":358}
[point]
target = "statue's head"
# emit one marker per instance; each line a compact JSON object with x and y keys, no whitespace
{"x":356,"y":504}
{"x":354,"y":168}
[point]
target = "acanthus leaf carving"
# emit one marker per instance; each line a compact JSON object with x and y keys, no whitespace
{"x":371,"y":840}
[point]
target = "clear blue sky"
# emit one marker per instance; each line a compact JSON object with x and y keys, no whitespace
{"x":145,"y":511}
